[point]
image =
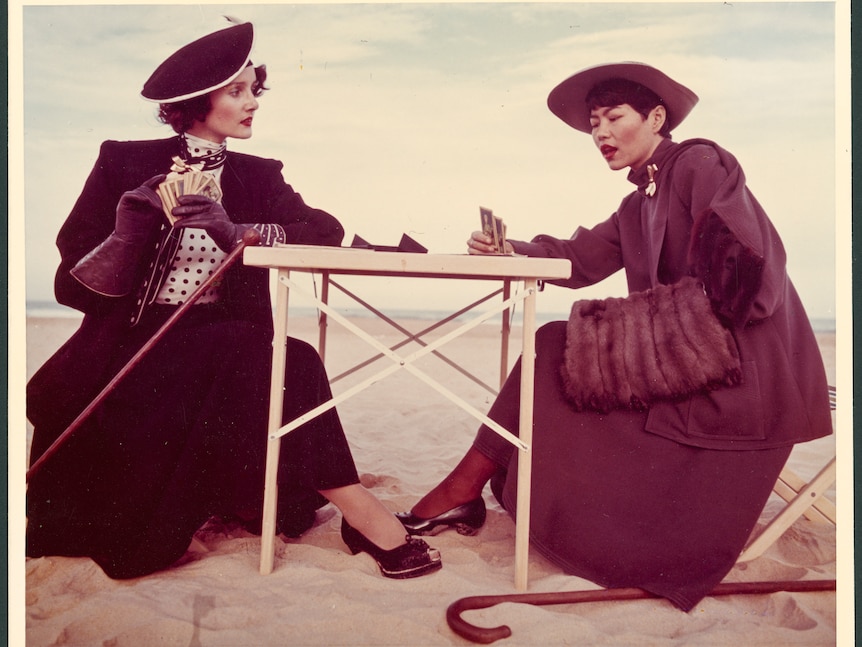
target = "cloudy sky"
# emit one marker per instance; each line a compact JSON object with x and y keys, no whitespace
{"x":405,"y":118}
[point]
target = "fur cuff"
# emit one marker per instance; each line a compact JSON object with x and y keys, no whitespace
{"x":731,"y":272}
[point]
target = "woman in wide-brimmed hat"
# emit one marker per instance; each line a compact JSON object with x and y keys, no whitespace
{"x":662,"y":420}
{"x":182,"y":438}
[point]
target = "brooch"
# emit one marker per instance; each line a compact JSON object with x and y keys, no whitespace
{"x":651,"y":170}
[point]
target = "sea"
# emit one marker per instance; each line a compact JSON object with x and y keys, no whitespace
{"x":52,"y":309}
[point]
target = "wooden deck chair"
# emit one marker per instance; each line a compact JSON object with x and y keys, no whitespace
{"x":803,"y":498}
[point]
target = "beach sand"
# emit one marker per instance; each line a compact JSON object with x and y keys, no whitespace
{"x":405,"y":438}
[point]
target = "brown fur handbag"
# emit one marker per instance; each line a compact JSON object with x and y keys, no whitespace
{"x":660,"y":344}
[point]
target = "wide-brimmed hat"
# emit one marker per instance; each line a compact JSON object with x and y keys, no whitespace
{"x":568,"y":99}
{"x":204,"y":65}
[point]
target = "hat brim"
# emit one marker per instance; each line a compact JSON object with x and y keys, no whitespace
{"x":204,"y":65}
{"x":568,"y":100}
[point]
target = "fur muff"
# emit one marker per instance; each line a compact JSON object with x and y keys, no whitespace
{"x":663,"y":343}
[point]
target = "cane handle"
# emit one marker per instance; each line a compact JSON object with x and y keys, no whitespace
{"x":487,"y":635}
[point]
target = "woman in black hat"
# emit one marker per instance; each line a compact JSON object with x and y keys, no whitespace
{"x":182,"y":438}
{"x":661,"y":420}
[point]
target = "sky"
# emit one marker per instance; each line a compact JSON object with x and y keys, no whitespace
{"x":406,"y":118}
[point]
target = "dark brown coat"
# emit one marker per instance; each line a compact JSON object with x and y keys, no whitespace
{"x":703,"y":221}
{"x":665,"y":498}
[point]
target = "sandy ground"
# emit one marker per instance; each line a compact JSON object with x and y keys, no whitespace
{"x":405,"y":437}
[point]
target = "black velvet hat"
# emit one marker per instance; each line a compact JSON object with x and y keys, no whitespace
{"x":207,"y":64}
{"x":568,"y":99}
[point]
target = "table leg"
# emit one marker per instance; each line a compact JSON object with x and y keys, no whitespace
{"x":525,"y":433}
{"x":321,"y":316}
{"x":504,"y":334}
{"x":273,"y":440}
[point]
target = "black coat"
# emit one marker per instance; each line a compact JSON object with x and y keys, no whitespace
{"x":182,"y":438}
{"x":253,"y":192}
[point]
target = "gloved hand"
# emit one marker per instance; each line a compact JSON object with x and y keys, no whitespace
{"x":204,"y":213}
{"x":139,"y":212}
{"x":110,"y":268}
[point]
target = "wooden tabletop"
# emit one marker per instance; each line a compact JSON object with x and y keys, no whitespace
{"x":347,"y":260}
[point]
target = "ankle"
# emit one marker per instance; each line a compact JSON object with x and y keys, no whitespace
{"x":365,"y":513}
{"x":442,"y":499}
{"x":383,"y":530}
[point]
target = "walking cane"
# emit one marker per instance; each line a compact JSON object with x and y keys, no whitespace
{"x":490,"y":634}
{"x":250,"y":238}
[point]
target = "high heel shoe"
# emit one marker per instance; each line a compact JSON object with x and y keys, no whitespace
{"x":411,"y":559}
{"x":466,"y":519}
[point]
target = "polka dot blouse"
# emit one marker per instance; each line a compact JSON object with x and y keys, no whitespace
{"x":197,"y":257}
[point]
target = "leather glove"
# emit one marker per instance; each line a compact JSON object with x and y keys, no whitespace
{"x":139,"y":212}
{"x":204,"y":213}
{"x":110,"y":269}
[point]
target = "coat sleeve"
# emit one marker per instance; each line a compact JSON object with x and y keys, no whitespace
{"x":734,"y":248}
{"x":89,"y":223}
{"x":282,"y":205}
{"x":595,"y":253}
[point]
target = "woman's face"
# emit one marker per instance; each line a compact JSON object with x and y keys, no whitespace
{"x":233,"y":108}
{"x":624,"y":137}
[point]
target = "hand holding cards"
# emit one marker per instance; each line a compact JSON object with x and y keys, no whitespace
{"x":185,"y":180}
{"x":495,"y":228}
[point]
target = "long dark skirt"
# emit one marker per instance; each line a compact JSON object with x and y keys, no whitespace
{"x":622,"y":507}
{"x":182,"y":439}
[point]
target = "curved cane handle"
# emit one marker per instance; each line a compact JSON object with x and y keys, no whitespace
{"x":490,"y":634}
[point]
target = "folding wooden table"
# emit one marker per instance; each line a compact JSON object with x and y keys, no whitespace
{"x":346,"y":261}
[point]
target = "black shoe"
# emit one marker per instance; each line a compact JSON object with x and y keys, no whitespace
{"x":466,"y":519}
{"x":411,"y":559}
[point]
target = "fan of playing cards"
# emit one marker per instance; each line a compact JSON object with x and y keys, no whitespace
{"x":185,"y":180}
{"x":495,"y":228}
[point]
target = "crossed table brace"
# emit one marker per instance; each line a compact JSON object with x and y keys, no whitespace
{"x":334,"y":260}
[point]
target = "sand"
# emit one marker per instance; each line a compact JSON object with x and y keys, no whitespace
{"x":405,"y":437}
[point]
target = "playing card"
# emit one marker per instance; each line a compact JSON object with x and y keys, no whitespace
{"x":488,"y":226}
{"x":495,"y":228}
{"x":191,"y":182}
{"x":500,"y":235}
{"x":487,"y":221}
{"x":185,"y":180}
{"x":208,"y":187}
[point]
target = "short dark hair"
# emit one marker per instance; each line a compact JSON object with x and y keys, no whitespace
{"x":615,"y":92}
{"x":182,"y":115}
